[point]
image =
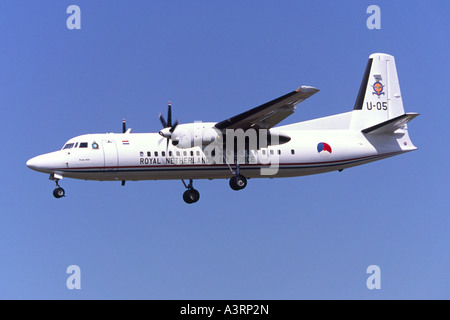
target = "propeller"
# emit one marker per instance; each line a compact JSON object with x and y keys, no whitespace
{"x":168,"y":127}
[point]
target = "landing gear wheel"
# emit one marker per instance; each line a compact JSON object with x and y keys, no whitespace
{"x":191,"y":196}
{"x":238,"y":182}
{"x":59,"y":192}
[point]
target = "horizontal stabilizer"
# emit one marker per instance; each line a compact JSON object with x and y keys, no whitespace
{"x":391,"y":125}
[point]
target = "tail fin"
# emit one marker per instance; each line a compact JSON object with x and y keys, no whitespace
{"x":379,"y":98}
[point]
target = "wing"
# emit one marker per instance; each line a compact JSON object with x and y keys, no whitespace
{"x":269,"y":114}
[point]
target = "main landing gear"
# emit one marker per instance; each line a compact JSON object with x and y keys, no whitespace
{"x":237,"y":181}
{"x":191,"y":195}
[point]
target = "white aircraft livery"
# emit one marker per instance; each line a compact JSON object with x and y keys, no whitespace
{"x":247,"y":145}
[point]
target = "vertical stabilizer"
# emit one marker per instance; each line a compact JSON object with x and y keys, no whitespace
{"x":379,"y":98}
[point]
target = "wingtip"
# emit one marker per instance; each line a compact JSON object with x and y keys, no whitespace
{"x":307,"y":89}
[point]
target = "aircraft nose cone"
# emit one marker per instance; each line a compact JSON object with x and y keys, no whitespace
{"x":32,"y":163}
{"x":45,"y":162}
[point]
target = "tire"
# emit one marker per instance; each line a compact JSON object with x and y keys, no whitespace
{"x":59,"y":193}
{"x":238,"y":182}
{"x":191,"y":196}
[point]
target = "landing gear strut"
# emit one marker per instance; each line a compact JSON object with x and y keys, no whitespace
{"x":191,"y":195}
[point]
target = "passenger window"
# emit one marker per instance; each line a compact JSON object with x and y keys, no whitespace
{"x":178,"y":153}
{"x":83,"y":145}
{"x":141,"y":154}
{"x":170,"y":153}
{"x":292,"y":151}
{"x":271,"y":152}
{"x":149,"y":154}
{"x":279,"y":151}
{"x":192,"y":153}
{"x":198,"y":153}
{"x":263,"y":152}
{"x":163,"y":153}
{"x":156,"y":153}
{"x":184,"y":153}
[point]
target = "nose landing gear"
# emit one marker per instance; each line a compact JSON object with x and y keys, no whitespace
{"x":58,"y":192}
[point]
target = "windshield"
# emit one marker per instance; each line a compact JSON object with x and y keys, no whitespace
{"x":68,"y":146}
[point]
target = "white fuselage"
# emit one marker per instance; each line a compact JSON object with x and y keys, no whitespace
{"x":148,"y":156}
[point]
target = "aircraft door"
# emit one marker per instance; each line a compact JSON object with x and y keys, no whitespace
{"x":110,"y":155}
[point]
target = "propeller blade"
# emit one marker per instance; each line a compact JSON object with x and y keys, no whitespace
{"x":169,"y":114}
{"x":124,"y":126}
{"x":172,"y":128}
{"x":168,"y":124}
{"x":163,"y":122}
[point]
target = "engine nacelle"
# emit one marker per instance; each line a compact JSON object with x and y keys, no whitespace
{"x":199,"y":134}
{"x":204,"y":133}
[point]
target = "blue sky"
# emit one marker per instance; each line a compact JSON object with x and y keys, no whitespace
{"x":296,"y":238}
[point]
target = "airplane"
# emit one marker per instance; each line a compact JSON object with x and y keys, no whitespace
{"x":247,"y":145}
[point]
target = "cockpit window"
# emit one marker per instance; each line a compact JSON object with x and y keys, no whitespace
{"x":83,"y":144}
{"x":68,"y":146}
